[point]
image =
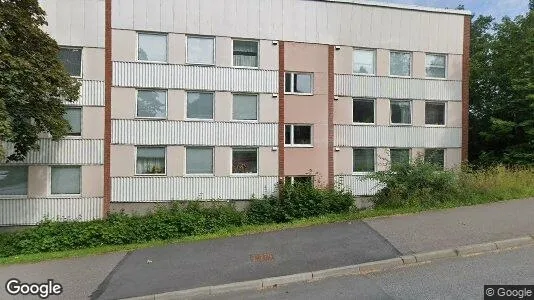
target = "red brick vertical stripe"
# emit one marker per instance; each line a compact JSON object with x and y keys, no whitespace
{"x":331,"y":116}
{"x":281,"y":110}
{"x":108,"y":72}
{"x":465,"y":87}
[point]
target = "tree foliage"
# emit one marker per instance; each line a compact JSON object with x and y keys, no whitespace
{"x":33,"y":82}
{"x":502,"y":90}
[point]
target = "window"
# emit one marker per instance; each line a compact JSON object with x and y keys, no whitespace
{"x":299,"y":180}
{"x":200,"y":50}
{"x":363,"y":111}
{"x":150,"y":160}
{"x":363,"y":61}
{"x":152,"y":47}
{"x":436,"y":157}
{"x":199,"y":160}
{"x":434,"y":113}
{"x":363,"y":160}
{"x":13,"y":180}
{"x":151,"y":104}
{"x":246,"y":54}
{"x":245,"y":107}
{"x":298,"y":135}
{"x":299,"y":83}
{"x":244,"y":160}
{"x":65,"y":180}
{"x":72,"y":60}
{"x":400,"y":63}
{"x":401,"y":112}
{"x":400,"y":156}
{"x":435,"y":65}
{"x":73,"y":115}
{"x":199,"y":105}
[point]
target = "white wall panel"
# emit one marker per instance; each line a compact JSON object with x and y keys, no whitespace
{"x":34,"y":210}
{"x":358,"y":185}
{"x":65,"y":151}
{"x":397,"y":136}
{"x":149,"y":132}
{"x":130,"y":74}
{"x":397,"y":88}
{"x":161,"y":189}
{"x":91,"y":94}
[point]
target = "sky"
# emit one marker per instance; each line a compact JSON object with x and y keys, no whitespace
{"x":495,"y":8}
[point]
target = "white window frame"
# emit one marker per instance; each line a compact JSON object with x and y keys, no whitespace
{"x":445,"y":114}
{"x":64,"y":195}
{"x":374,"y":61}
{"x":400,"y":148}
{"x":257,"y":161}
{"x":374,"y":111}
{"x":375,"y":161}
{"x":212,"y":103}
{"x":411,"y":64}
{"x":292,"y":86}
{"x":257,"y":54}
{"x":146,"y":174}
{"x":446,"y":68}
{"x":444,"y":155}
{"x":81,"y":59}
{"x":257,"y":108}
{"x":73,"y":136}
{"x":292,"y":178}
{"x":152,"y":61}
{"x":213,"y":53}
{"x":200,"y":174}
{"x":391,"y":112}
{"x":27,"y":183}
{"x":166,"y":104}
{"x":292,"y":138}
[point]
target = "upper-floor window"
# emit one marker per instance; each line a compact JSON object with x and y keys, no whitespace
{"x":73,"y":115}
{"x":298,"y":135}
{"x":152,"y":104}
{"x":299,"y":83}
{"x":400,"y":64}
{"x":363,"y":111}
{"x":150,"y":161}
{"x":200,"y":50}
{"x":245,"y":54}
{"x":364,"y":61}
{"x":401,"y":111}
{"x":152,"y":47}
{"x":434,"y":113}
{"x":436,"y":157}
{"x":244,"y":160}
{"x":199,"y":105}
{"x":65,"y":180}
{"x":245,"y":107}
{"x":435,"y":65}
{"x":363,"y":160}
{"x":13,"y":180}
{"x":71,"y":57}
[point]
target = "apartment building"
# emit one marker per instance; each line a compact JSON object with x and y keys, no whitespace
{"x":221,"y":100}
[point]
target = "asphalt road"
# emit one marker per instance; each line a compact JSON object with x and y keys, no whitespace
{"x":457,"y":278}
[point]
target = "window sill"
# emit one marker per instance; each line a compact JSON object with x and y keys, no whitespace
{"x":362,"y":173}
{"x":244,"y":121}
{"x":400,"y":76}
{"x":199,"y":120}
{"x":246,"y":67}
{"x":363,"y":124}
{"x":151,"y":175}
{"x":244,"y":175}
{"x":436,"y":78}
{"x":13,"y":197}
{"x":153,"y":62}
{"x":65,"y":195}
{"x":72,"y":137}
{"x":435,"y":125}
{"x":200,"y":64}
{"x":364,"y":74}
{"x":199,"y":175}
{"x":151,"y":118}
{"x":298,"y":146}
{"x":401,"y":124}
{"x":298,"y":94}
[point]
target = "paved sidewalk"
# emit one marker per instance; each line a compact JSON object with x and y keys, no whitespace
{"x":186,"y":266}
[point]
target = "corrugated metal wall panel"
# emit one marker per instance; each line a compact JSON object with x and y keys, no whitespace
{"x":135,"y":74}
{"x":152,"y":132}
{"x":32,"y":211}
{"x":397,"y":88}
{"x":66,"y":151}
{"x":397,"y":136}
{"x":358,"y":185}
{"x":161,"y":189}
{"x":91,"y":93}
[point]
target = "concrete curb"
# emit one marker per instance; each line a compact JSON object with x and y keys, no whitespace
{"x":360,"y":269}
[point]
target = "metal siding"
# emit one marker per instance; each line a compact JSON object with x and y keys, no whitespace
{"x":358,"y":185}
{"x":397,"y":88}
{"x":91,"y":94}
{"x":159,"y":132}
{"x":397,"y":136}
{"x":130,"y":74}
{"x":163,"y":189}
{"x":65,"y":151}
{"x":34,"y":210}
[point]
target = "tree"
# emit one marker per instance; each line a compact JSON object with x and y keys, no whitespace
{"x":33,"y":82}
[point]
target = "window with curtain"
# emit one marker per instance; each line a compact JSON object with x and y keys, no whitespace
{"x":363,"y":111}
{"x":363,"y":61}
{"x":244,"y":160}
{"x":65,"y":180}
{"x":434,"y":113}
{"x":401,"y":112}
{"x":199,"y":160}
{"x":363,"y":160}
{"x":436,"y":157}
{"x":200,"y":50}
{"x":435,"y":65}
{"x":13,"y":180}
{"x":150,"y":160}
{"x":399,"y":156}
{"x":72,"y":60}
{"x":73,"y":115}
{"x":199,"y":105}
{"x":152,"y":47}
{"x":245,"y":107}
{"x":151,"y":104}
{"x":246,"y":53}
{"x":400,"y":63}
